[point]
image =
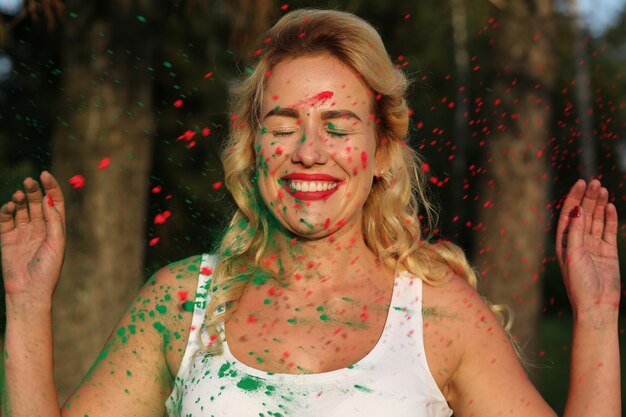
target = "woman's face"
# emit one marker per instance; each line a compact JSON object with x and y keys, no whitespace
{"x":316,"y":148}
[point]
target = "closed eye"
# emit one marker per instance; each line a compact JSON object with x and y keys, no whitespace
{"x":337,"y":133}
{"x":282,"y":133}
{"x":334,"y":132}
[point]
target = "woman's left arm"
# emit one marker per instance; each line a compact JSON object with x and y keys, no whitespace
{"x":490,"y":380}
{"x":587,"y":253}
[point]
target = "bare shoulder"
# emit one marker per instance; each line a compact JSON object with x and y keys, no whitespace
{"x":133,"y":374}
{"x":455,"y":317}
{"x":471,"y":355}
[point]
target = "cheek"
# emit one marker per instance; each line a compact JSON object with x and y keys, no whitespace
{"x":359,"y":161}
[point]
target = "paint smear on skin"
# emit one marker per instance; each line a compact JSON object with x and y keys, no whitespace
{"x":364,"y":159}
{"x":315,"y":100}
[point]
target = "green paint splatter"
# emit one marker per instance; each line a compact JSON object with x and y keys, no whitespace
{"x":188,"y":306}
{"x":141,"y":19}
{"x":267,"y":301}
{"x":161,"y":309}
{"x":261,"y":277}
{"x":249,"y":383}
{"x":362,"y":388}
{"x":223,"y":369}
{"x":324,"y":317}
{"x":307,"y":224}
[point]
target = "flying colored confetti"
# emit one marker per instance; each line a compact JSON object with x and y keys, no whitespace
{"x":105,"y":162}
{"x":77,"y":181}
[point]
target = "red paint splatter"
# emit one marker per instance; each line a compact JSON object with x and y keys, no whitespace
{"x":183,"y":295}
{"x":206,"y":271}
{"x":217,"y":185}
{"x":208,"y":75}
{"x":206,"y":131}
{"x":50,"y":200}
{"x":156,"y":190}
{"x":364,"y":159}
{"x":327,"y":223}
{"x":77,"y":181}
{"x":188,"y":135}
{"x":104,"y":162}
{"x":154,"y":241}
{"x":284,"y":7}
{"x":162,"y":217}
{"x":316,"y":99}
{"x":178,"y":103}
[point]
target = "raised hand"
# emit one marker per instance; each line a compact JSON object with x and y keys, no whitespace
{"x":586,"y":246}
{"x":32,"y":240}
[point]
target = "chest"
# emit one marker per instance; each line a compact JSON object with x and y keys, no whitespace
{"x":289,"y":334}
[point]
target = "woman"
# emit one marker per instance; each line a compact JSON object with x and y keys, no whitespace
{"x":322,"y":299}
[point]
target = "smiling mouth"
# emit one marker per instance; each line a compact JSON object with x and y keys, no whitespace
{"x":311,"y":186}
{"x":310,"y":190}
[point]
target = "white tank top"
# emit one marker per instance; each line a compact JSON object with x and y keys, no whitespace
{"x":393,"y":379}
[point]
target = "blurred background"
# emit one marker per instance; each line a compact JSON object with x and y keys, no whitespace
{"x":125,"y":102}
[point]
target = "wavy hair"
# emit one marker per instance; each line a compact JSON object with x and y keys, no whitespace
{"x":398,"y":203}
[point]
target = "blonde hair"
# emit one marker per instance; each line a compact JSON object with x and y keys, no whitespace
{"x":398,"y":202}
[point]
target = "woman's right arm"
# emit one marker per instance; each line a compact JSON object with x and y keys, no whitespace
{"x":131,"y":375}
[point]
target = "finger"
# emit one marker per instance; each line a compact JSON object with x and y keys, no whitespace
{"x":590,"y":200}
{"x":55,"y":227}
{"x":575,"y":230}
{"x":610,"y":226}
{"x":53,"y":190}
{"x":6,"y":217}
{"x":574,"y":197}
{"x":21,"y":211}
{"x":597,"y":221}
{"x":34,"y":197}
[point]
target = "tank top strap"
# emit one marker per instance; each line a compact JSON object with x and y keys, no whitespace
{"x":202,"y":299}
{"x":409,"y":322}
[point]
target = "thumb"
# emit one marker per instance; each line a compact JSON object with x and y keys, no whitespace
{"x":54,"y":221}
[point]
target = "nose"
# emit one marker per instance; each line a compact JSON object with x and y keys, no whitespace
{"x":311,"y":150}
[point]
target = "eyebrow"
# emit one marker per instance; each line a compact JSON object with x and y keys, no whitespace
{"x":327,"y":115}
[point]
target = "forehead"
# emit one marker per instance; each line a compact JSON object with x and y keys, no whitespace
{"x":316,"y":80}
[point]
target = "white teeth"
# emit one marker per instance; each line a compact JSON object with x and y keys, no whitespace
{"x":311,"y":186}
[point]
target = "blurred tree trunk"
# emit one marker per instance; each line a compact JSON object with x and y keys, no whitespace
{"x":582,"y":90}
{"x":106,"y":112}
{"x":514,"y":193}
{"x":461,"y":116}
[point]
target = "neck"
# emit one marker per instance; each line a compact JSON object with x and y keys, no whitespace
{"x":334,"y":260}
